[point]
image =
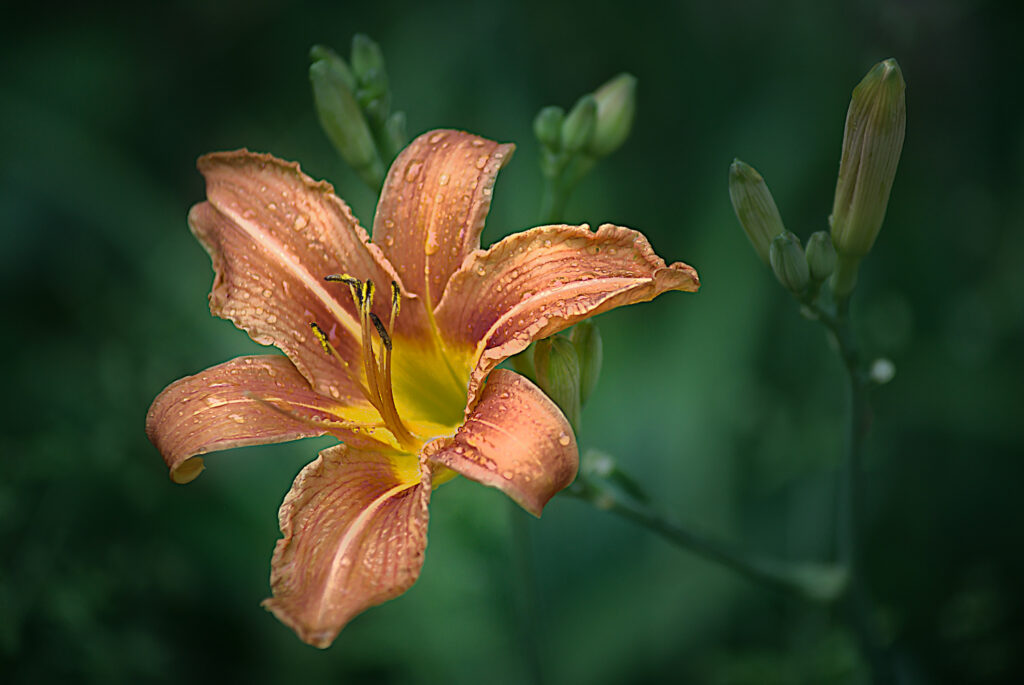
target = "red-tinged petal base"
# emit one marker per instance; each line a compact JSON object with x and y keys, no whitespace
{"x":355,"y":531}
{"x":226,"y":406}
{"x":515,"y":439}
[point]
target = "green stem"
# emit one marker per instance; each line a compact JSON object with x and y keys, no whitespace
{"x":857,"y":603}
{"x":528,"y":595}
{"x":553,"y":201}
{"x":809,"y":581}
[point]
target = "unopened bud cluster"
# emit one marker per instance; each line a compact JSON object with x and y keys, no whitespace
{"x":872,"y":144}
{"x":596,"y":126}
{"x":353,"y":104}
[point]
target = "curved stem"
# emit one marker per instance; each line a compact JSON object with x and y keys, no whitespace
{"x":809,"y":581}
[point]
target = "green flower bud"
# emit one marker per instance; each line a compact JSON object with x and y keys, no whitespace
{"x":523,"y":363}
{"x":586,"y":338}
{"x":789,"y":263}
{"x":872,"y":143}
{"x":821,"y":256}
{"x":373,"y":94}
{"x":558,"y":375}
{"x":547,"y":126}
{"x":754,"y":206}
{"x":319,"y":53}
{"x":367,"y":59}
{"x":579,"y":126}
{"x":341,"y":117}
{"x":616,"y":106}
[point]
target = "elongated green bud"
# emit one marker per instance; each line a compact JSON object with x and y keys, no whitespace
{"x":374,"y":91}
{"x":821,"y":256}
{"x":872,"y":143}
{"x":341,"y":117}
{"x":558,"y":375}
{"x":616,"y":107}
{"x":580,"y":124}
{"x":789,"y":263}
{"x":367,"y":58}
{"x":586,"y":338}
{"x":547,"y":126}
{"x":754,"y":206}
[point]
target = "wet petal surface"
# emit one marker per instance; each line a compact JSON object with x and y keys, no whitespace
{"x":355,"y":530}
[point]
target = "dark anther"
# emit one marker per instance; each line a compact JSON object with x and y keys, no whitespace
{"x":381,"y":331}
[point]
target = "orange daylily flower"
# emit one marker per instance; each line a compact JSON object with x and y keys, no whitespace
{"x":391,"y":346}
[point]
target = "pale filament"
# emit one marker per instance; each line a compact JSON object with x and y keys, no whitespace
{"x":376,"y":363}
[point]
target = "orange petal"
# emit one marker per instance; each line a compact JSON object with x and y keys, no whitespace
{"x":433,"y":205}
{"x":273,"y":234}
{"x":538,"y":282}
{"x":515,"y":439}
{"x":226,"y":406}
{"x":355,"y":530}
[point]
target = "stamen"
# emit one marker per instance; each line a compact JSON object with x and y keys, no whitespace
{"x":381,"y":331}
{"x":326,"y":343}
{"x":367,"y":294}
{"x":396,"y":304}
{"x":378,"y":390}
{"x":355,"y":286}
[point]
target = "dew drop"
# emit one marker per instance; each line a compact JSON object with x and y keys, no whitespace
{"x":413,"y":171}
{"x":272,"y":319}
{"x":443,"y":180}
{"x":272,"y":206}
{"x":564,"y":440}
{"x":248,"y":214}
{"x":480,"y":271}
{"x":267,"y":292}
{"x":481,"y":162}
{"x":507,"y":475}
{"x":436,"y":138}
{"x":300,"y":222}
{"x":238,"y":418}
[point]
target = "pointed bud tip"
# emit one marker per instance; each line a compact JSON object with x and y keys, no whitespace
{"x":580,"y":124}
{"x":872,"y":145}
{"x":616,"y":109}
{"x":754,"y":207}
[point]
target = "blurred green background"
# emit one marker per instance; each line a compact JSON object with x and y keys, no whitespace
{"x":727,"y":405}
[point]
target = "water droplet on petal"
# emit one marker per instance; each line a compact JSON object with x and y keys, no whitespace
{"x":443,"y":180}
{"x":238,"y":418}
{"x":564,"y":440}
{"x":413,"y":170}
{"x":300,"y":222}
